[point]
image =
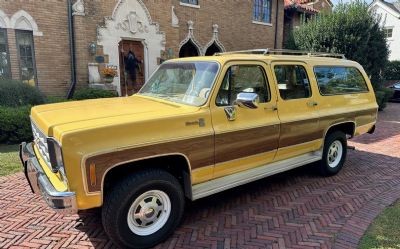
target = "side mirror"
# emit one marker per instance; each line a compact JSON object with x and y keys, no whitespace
{"x":247,"y":100}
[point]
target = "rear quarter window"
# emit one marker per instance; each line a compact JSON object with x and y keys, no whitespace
{"x":333,"y":80}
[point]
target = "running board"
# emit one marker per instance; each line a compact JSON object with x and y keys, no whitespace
{"x":223,"y":183}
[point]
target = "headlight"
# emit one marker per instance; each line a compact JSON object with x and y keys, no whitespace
{"x":55,"y":154}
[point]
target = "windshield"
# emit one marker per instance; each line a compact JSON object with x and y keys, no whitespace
{"x":183,"y":82}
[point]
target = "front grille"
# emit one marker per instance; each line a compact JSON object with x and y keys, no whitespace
{"x":41,"y":143}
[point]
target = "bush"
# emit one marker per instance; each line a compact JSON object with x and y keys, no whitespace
{"x":92,"y":93}
{"x":392,"y":71}
{"x":15,"y":125}
{"x":382,"y":97}
{"x":351,"y":29}
{"x":52,"y":99}
{"x":15,"y":93}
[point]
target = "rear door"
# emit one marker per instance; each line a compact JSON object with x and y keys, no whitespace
{"x":244,"y":138}
{"x":297,"y":110}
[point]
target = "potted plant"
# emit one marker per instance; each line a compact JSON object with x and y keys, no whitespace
{"x":109,"y":74}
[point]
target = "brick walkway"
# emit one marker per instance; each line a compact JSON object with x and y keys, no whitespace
{"x":297,"y":209}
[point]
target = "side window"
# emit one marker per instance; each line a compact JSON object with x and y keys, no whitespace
{"x":26,"y":56}
{"x":4,"y":55}
{"x":293,"y":82}
{"x":243,"y":78}
{"x":339,"y":80}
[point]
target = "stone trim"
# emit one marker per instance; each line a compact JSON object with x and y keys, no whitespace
{"x":174,"y":18}
{"x":190,"y":37}
{"x":24,"y":21}
{"x":262,"y":23}
{"x":4,"y":20}
{"x":78,"y":8}
{"x":190,"y":5}
{"x":215,"y":39}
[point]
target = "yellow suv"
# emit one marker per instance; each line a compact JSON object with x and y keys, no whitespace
{"x":198,"y":126}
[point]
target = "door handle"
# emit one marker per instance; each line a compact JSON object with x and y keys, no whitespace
{"x":272,"y":108}
{"x":312,"y":103}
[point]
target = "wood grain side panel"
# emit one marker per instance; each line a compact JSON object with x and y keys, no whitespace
{"x":299,"y":132}
{"x":237,"y":144}
{"x":199,"y":151}
{"x":359,"y":117}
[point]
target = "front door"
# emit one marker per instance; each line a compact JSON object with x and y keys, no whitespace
{"x":249,"y":138}
{"x":131,"y":61}
{"x":297,"y":110}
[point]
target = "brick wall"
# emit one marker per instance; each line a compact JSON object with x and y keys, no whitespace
{"x":236,"y":31}
{"x":51,"y":50}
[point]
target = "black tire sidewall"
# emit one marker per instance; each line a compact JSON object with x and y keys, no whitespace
{"x":332,"y":137}
{"x":124,"y":234}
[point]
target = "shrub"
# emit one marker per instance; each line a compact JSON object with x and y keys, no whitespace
{"x":92,"y":93}
{"x":15,"y":93}
{"x":351,"y":29}
{"x":52,"y":99}
{"x":382,"y":97}
{"x":15,"y":125}
{"x":392,"y":71}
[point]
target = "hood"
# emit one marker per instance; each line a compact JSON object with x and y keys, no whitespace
{"x":93,"y":113}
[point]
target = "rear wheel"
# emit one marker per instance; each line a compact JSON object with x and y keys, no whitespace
{"x":334,"y":154}
{"x":143,"y":209}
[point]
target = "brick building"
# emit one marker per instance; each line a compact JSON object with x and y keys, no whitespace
{"x":56,"y":44}
{"x":298,"y":10}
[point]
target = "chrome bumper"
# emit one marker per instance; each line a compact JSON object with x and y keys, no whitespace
{"x":40,"y":184}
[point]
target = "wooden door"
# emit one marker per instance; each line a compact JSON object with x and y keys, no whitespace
{"x":131,"y":70}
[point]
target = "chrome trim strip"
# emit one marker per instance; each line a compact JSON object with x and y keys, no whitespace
{"x":223,"y":183}
{"x":64,"y":202}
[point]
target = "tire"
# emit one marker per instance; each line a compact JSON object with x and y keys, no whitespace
{"x":334,"y":154}
{"x":143,"y":209}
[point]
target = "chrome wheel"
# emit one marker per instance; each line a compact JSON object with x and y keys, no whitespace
{"x":335,"y":153}
{"x":149,"y":212}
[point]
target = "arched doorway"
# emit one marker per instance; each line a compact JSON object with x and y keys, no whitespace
{"x":130,"y":22}
{"x":188,"y":50}
{"x":211,"y":50}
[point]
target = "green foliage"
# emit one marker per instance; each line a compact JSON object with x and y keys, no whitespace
{"x":392,"y":71}
{"x":92,"y":93}
{"x":384,"y":232}
{"x":52,"y":99}
{"x":382,"y":97}
{"x":15,"y":124}
{"x":351,"y":29}
{"x":15,"y":93}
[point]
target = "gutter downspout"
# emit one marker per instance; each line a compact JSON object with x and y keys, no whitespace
{"x":71,"y":35}
{"x":276,"y":24}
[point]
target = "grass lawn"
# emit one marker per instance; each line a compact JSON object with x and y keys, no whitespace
{"x":9,"y":159}
{"x":384,"y":232}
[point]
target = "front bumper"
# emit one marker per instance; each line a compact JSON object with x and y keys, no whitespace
{"x":40,"y":184}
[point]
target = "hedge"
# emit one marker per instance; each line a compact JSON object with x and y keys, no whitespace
{"x":382,"y":97}
{"x":15,"y":126}
{"x":92,"y":93}
{"x":392,"y":71}
{"x":15,"y":93}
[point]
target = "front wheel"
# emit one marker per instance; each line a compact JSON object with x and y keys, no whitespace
{"x":334,"y":154}
{"x":143,"y":209}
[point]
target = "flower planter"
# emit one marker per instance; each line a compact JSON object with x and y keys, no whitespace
{"x":109,"y":79}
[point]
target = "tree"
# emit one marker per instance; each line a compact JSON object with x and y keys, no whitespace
{"x":351,"y":29}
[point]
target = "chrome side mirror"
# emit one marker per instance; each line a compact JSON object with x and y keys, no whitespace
{"x":247,"y":100}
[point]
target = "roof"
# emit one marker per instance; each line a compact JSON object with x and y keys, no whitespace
{"x":390,"y":7}
{"x":300,"y":5}
{"x":394,"y":6}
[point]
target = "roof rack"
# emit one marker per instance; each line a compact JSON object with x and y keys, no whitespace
{"x":285,"y":52}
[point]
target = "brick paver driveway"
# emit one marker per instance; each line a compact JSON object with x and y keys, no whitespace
{"x":296,"y":209}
